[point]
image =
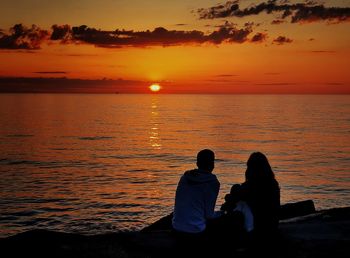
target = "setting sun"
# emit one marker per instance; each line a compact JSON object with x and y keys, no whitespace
{"x":154,"y":87}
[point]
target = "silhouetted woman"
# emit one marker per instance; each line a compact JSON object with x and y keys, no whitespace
{"x":260,"y":192}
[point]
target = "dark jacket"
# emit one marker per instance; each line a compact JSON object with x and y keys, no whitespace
{"x":195,"y":201}
{"x":262,"y":198}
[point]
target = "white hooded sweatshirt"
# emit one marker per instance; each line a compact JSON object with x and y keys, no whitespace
{"x":195,"y":201}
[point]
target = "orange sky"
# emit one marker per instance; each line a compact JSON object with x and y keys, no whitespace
{"x":193,"y":53}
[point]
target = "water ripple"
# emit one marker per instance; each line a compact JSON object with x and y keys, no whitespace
{"x":95,"y":169}
{"x":95,"y":138}
{"x":19,"y":135}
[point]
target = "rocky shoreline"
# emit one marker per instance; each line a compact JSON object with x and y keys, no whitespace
{"x":324,"y":233}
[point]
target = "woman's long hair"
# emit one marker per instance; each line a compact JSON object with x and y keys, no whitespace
{"x":264,"y":193}
{"x":258,"y":169}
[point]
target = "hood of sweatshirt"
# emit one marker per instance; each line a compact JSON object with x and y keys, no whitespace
{"x":197,"y":176}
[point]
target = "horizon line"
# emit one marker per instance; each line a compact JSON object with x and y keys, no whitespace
{"x":155,"y":94}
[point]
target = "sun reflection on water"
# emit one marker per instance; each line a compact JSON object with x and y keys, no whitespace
{"x":154,"y":134}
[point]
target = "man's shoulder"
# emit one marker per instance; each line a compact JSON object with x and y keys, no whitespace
{"x":199,"y":177}
{"x":214,"y":181}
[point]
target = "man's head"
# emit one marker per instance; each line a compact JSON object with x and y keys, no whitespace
{"x":205,"y":160}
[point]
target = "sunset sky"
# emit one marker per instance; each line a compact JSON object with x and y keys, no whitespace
{"x":186,"y":46}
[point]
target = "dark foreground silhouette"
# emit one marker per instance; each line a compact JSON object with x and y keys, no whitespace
{"x":287,"y":211}
{"x":319,"y":234}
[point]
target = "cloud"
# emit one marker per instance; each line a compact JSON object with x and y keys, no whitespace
{"x":22,"y":51}
{"x":310,"y":11}
{"x":230,"y":34}
{"x":335,"y":83}
{"x":51,"y":72}
{"x":80,"y":55}
{"x":226,"y":81}
{"x":21,"y":37}
{"x":280,"y":40}
{"x":277,"y":22}
{"x":323,"y":51}
{"x":60,"y":85}
{"x":158,"y":37}
{"x":259,"y":37}
{"x":225,"y":75}
{"x":61,"y":32}
{"x":277,"y":84}
{"x":272,"y":73}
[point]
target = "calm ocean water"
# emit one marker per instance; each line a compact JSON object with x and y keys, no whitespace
{"x":101,"y":163}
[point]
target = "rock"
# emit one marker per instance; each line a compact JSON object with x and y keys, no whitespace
{"x":289,"y":210}
{"x":296,"y":209}
{"x":321,"y":234}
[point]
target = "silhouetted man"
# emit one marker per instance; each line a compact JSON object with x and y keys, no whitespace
{"x":196,"y":196}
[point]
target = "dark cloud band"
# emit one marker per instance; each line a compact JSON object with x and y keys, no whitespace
{"x":51,"y":72}
{"x":21,"y":37}
{"x":158,"y":37}
{"x":309,"y":11}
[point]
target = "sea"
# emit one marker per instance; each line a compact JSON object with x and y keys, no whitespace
{"x":101,"y":163}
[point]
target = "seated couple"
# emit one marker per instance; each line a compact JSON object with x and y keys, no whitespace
{"x":256,"y":201}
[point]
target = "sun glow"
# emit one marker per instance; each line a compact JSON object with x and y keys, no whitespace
{"x":154,"y":87}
